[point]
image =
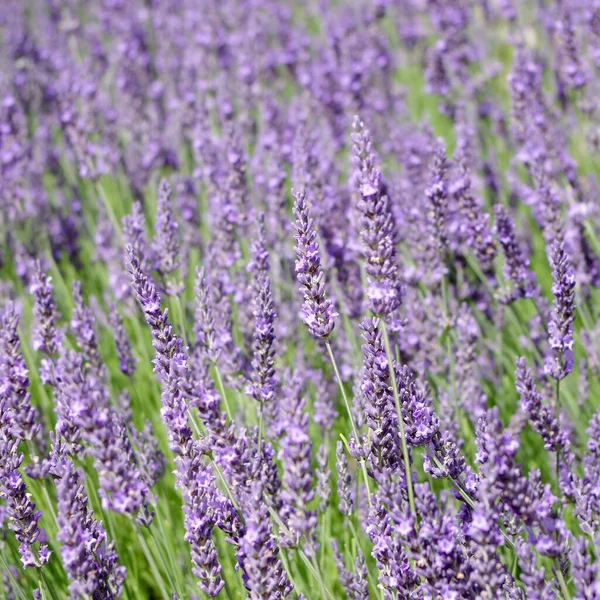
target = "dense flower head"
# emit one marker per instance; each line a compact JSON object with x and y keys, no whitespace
{"x":20,"y":415}
{"x":89,"y":558}
{"x":378,"y":234}
{"x":560,"y":328}
{"x":46,"y":336}
{"x":317,"y":309}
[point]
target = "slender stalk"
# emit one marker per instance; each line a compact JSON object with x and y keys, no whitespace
{"x":222,"y":391}
{"x":563,"y":584}
{"x":405,"y":456}
{"x":349,"y":411}
{"x":261,"y":424}
{"x":558,"y":425}
{"x":157,"y":576}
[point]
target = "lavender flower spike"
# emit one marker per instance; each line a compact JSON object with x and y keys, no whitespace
{"x":166,"y":241}
{"x":46,"y":337}
{"x":22,"y":514}
{"x":90,"y":561}
{"x":21,"y":417}
{"x":317,"y":310}
{"x":560,"y":328}
{"x":377,"y":228}
{"x":263,"y":574}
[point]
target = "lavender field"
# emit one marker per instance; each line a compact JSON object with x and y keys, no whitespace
{"x":300,"y":299}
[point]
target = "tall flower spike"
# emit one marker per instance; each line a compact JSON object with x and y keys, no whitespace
{"x":263,"y":574}
{"x":89,"y":559}
{"x":264,"y":381}
{"x":46,"y":337}
{"x":84,"y":329}
{"x":377,"y":227}
{"x":317,"y":311}
{"x":127,"y":361}
{"x":516,"y":263}
{"x":166,"y":240}
{"x":437,"y":195}
{"x":21,"y":510}
{"x":540,"y":416}
{"x":21,"y":417}
{"x":560,"y":327}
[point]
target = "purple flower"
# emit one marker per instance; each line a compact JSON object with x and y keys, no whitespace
{"x":21,"y":510}
{"x":84,"y":330}
{"x":344,"y":481}
{"x":127,"y":361}
{"x":46,"y":337}
{"x":436,"y":193}
{"x":89,"y":559}
{"x":20,"y":416}
{"x":377,"y":227}
{"x":516,"y":267}
{"x":166,"y":240}
{"x":540,"y":416}
{"x":560,"y":327}
{"x":263,"y":574}
{"x":317,"y":310}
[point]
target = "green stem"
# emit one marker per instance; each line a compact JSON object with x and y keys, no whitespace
{"x":157,"y":575}
{"x":349,"y":411}
{"x":563,"y":584}
{"x":261,"y":424}
{"x":223,"y":393}
{"x":405,"y":456}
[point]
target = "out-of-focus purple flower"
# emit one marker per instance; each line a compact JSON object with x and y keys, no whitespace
{"x":134,"y":233}
{"x":436,"y":193}
{"x":354,"y":582}
{"x":540,"y":416}
{"x":262,"y":572}
{"x":21,"y":510}
{"x":46,"y":336}
{"x":317,"y":309}
{"x":166,"y":240}
{"x":344,"y":481}
{"x":89,"y":559}
{"x":264,"y":381}
{"x":377,"y":227}
{"x":297,"y":492}
{"x":560,"y":327}
{"x":516,"y":267}
{"x":84,"y":330}
{"x":396,"y":577}
{"x":127,"y":361}
{"x":20,"y":416}
{"x":380,"y":409}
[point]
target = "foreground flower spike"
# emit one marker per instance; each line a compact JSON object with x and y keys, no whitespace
{"x":317,"y":310}
{"x":377,"y":227}
{"x":516,"y":267}
{"x":46,"y":337}
{"x":89,"y":559}
{"x":20,"y":509}
{"x":262,"y":571}
{"x":560,"y":328}
{"x":20,"y":416}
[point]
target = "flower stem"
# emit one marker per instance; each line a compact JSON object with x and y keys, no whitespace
{"x":349,"y":410}
{"x":405,"y":456}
